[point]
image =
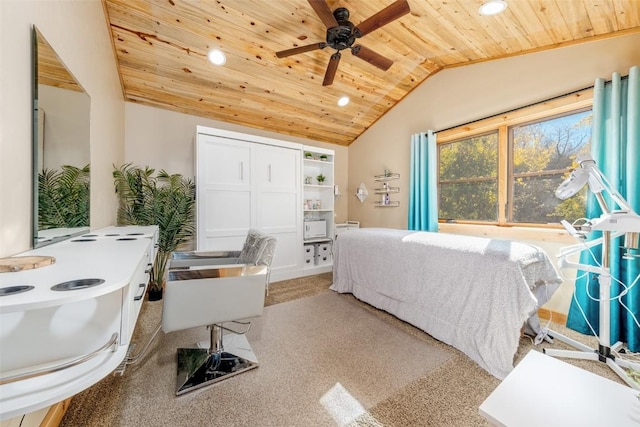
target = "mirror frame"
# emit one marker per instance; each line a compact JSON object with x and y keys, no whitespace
{"x":70,"y":81}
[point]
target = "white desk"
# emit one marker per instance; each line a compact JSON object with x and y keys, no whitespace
{"x":43,"y":327}
{"x":544,"y":391}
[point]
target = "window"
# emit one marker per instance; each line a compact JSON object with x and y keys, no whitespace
{"x":505,"y":169}
{"x":468,"y":179}
{"x":542,"y":154}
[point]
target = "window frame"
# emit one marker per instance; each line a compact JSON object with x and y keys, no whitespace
{"x":566,"y":104}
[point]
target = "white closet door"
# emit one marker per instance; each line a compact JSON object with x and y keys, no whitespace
{"x":277,"y":180}
{"x":224,"y":193}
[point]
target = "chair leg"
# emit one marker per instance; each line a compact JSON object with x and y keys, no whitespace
{"x":199,"y":367}
{"x":268,"y":280}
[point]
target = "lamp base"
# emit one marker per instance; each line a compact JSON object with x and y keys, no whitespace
{"x":601,"y":354}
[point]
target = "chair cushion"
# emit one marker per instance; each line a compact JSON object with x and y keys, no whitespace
{"x":253,"y":247}
{"x":268,"y":251}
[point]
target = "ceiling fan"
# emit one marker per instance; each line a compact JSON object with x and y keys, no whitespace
{"x":342,"y":34}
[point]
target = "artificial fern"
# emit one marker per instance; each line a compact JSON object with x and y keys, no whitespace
{"x":165,"y":200}
{"x":63,"y":197}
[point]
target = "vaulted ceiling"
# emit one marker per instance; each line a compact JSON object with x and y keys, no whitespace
{"x":161,"y":49}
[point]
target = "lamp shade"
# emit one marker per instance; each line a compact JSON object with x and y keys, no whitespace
{"x":573,"y":184}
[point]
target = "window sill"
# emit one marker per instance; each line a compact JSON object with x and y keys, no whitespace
{"x":540,"y":233}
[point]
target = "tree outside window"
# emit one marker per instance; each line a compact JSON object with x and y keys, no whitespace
{"x":543,"y":154}
{"x":468,"y":179}
{"x":537,"y":157}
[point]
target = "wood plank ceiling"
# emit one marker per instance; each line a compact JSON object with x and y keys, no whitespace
{"x":161,"y":48}
{"x":51,"y":70}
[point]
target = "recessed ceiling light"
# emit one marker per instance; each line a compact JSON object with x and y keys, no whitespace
{"x":344,"y":100}
{"x":492,"y":7}
{"x":216,"y":57}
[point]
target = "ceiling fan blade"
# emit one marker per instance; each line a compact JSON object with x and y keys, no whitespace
{"x":372,"y":57}
{"x":300,"y":49}
{"x":331,"y":69}
{"x":386,"y":15}
{"x":324,"y":13}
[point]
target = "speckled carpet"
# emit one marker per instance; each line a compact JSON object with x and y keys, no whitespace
{"x":314,"y":371}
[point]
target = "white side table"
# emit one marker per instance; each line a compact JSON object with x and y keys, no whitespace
{"x":544,"y":391}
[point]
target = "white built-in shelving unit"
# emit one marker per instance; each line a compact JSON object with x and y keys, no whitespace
{"x":318,"y":206}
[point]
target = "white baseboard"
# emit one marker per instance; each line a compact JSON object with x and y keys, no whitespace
{"x":277,"y":276}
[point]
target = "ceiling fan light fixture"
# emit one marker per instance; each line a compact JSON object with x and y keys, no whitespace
{"x":343,"y":101}
{"x":492,"y":7}
{"x":216,"y":57}
{"x":341,"y":35}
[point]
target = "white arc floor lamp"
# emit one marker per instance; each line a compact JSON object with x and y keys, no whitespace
{"x":612,"y":223}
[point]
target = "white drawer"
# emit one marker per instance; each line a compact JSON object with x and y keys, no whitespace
{"x":323,"y":249}
{"x":323,"y":259}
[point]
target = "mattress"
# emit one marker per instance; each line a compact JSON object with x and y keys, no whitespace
{"x":473,"y":293}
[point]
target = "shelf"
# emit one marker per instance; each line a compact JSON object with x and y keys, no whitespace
{"x":318,"y":210}
{"x":324,"y":162}
{"x":318,"y":240}
{"x":391,"y":204}
{"x":387,"y":177}
{"x":387,"y":190}
{"x":323,"y":186}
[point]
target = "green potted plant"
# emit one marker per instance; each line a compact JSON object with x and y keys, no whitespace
{"x":308,"y":155}
{"x":63,"y":197}
{"x":320,"y":178}
{"x":323,"y":157}
{"x":165,"y":200}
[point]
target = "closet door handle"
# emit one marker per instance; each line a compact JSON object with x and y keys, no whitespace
{"x":269,"y":173}
{"x":241,"y":171}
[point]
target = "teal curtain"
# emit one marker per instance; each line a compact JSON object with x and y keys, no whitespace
{"x":615,"y":146}
{"x":423,"y":183}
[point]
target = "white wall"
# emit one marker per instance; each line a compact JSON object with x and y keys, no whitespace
{"x":78,"y":32}
{"x":460,"y":95}
{"x":165,"y":140}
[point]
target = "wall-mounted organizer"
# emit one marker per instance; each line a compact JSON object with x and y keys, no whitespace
{"x":386,"y":189}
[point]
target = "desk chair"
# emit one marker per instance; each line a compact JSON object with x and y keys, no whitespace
{"x":206,"y":294}
{"x":255,"y":250}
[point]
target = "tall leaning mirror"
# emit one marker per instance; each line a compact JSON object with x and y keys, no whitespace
{"x":61,"y":111}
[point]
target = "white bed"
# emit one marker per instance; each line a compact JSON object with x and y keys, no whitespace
{"x":470,"y":292}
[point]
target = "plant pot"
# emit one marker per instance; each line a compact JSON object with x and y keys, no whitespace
{"x":155,"y":294}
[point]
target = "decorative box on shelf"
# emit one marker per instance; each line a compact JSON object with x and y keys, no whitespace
{"x":318,"y":253}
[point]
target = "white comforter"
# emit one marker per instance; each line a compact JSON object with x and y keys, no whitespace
{"x":470,"y":292}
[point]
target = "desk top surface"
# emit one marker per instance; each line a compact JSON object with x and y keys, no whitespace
{"x":544,"y":391}
{"x":87,"y":257}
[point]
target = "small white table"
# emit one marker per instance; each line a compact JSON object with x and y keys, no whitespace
{"x":544,"y":391}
